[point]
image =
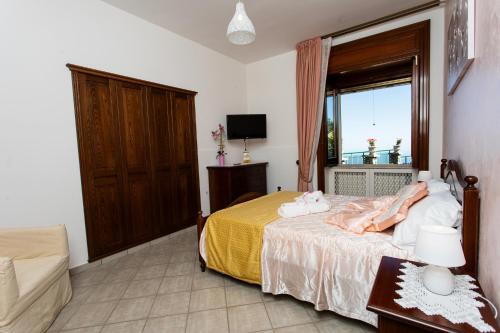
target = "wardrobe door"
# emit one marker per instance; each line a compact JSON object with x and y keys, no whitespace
{"x":136,"y":162}
{"x":160,"y":115}
{"x":101,"y":168}
{"x":185,"y":159}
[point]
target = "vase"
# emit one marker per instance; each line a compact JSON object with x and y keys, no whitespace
{"x":221,"y":160}
{"x":371,"y":151}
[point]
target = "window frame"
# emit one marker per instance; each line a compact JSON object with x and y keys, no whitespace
{"x":336,"y":128}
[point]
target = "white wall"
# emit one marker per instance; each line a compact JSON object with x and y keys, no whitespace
{"x":271,"y":89}
{"x":472,"y":136}
{"x":40,"y":178}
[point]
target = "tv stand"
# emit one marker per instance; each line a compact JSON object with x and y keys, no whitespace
{"x":227,"y":183}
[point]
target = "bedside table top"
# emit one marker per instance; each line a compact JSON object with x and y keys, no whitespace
{"x":383,"y":293}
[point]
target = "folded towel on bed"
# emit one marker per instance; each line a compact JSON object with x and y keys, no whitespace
{"x":307,"y":203}
{"x":310,"y":197}
{"x":293,"y":209}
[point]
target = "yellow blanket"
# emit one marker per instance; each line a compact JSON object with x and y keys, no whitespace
{"x":234,"y":235}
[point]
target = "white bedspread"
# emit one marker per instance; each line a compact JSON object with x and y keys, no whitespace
{"x":323,"y":264}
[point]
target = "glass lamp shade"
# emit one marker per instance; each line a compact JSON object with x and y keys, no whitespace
{"x":424,"y":176}
{"x":240,"y":30}
{"x":440,"y":246}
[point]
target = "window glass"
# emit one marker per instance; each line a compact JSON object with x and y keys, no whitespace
{"x":374,"y":125}
{"x":332,"y":150}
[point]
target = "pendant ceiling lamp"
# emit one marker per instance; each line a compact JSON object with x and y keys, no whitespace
{"x":240,"y":30}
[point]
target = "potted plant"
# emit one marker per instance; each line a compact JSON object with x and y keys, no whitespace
{"x":394,"y":156}
{"x":369,"y":159}
{"x":218,"y":135}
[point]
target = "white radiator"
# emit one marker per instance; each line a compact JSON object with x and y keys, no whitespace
{"x":368,"y":181}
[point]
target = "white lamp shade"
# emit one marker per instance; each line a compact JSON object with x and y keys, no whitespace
{"x":240,"y":30}
{"x":440,"y":246}
{"x":424,"y":176}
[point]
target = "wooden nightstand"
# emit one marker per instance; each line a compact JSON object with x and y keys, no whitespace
{"x":393,"y":318}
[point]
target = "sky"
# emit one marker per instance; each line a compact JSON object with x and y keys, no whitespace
{"x":390,"y":110}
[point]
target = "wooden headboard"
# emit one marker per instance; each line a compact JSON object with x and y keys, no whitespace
{"x":466,"y":192}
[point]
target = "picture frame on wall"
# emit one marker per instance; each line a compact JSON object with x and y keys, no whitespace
{"x":461,"y":41}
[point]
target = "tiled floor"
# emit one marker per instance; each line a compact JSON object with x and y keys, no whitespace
{"x":161,"y":289}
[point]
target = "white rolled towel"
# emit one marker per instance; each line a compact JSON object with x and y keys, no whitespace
{"x":307,"y":203}
{"x":310,"y":197}
{"x":293,"y":209}
{"x":315,"y":202}
{"x":313,"y":197}
{"x":319,"y":206}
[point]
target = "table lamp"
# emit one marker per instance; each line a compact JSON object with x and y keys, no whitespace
{"x":424,"y":176}
{"x":439,"y":247}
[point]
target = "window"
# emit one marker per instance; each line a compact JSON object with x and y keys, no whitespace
{"x":370,"y":124}
{"x":396,"y":54}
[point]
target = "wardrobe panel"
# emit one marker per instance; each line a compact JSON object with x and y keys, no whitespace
{"x":186,"y":168}
{"x":162,"y":147}
{"x":162,"y":127}
{"x":99,"y":120}
{"x":140,"y":212}
{"x":165,"y":203}
{"x":132,"y":106}
{"x":99,"y":144}
{"x":109,"y":231}
{"x":183,"y":124}
{"x":186,"y":206}
{"x":134,"y":122}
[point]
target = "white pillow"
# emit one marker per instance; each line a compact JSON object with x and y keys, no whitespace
{"x":437,"y":209}
{"x":436,"y":186}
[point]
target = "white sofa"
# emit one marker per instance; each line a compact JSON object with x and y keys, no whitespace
{"x":34,"y":278}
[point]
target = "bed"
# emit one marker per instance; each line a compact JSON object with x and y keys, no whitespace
{"x":335,"y":269}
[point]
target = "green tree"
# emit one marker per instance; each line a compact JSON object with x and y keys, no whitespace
{"x":331,"y":138}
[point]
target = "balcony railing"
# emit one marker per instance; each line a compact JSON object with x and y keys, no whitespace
{"x":382,"y":157}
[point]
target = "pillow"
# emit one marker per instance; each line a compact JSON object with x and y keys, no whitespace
{"x":397,"y":212}
{"x":437,"y":186}
{"x":437,"y":209}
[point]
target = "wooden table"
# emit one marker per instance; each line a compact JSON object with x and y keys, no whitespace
{"x":394,"y":318}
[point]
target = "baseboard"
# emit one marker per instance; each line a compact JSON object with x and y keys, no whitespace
{"x":97,"y":263}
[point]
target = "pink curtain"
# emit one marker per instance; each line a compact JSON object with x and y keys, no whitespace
{"x":308,"y":94}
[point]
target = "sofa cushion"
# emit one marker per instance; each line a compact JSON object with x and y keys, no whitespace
{"x":9,"y":293}
{"x":34,"y":277}
{"x":28,"y":243}
{"x":37,"y":274}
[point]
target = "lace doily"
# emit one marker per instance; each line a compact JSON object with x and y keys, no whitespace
{"x":459,"y":307}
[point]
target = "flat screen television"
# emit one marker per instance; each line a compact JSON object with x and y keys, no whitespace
{"x":246,"y":126}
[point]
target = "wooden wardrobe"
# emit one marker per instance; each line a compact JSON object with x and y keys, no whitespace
{"x":138,"y":159}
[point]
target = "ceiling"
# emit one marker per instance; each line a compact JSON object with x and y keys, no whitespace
{"x":280,"y":24}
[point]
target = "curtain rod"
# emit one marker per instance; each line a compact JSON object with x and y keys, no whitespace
{"x":384,"y":19}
